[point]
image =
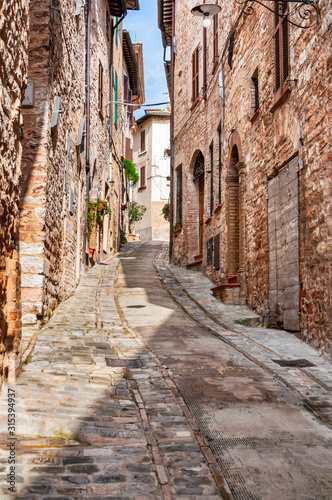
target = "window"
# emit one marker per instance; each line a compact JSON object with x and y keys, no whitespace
{"x":100,"y":88}
{"x":281,"y":48}
{"x":179,"y":195}
{"x":142,"y":177}
{"x":215,"y":38}
{"x":142,"y":141}
{"x":195,"y":72}
{"x":115,"y":97}
{"x":254,"y":93}
{"x":231,"y":49}
{"x":211,"y":179}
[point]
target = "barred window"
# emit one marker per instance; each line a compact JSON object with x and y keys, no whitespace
{"x":281,"y":48}
{"x":179,"y":195}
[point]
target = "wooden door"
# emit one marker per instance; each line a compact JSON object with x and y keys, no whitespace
{"x":201,"y":212}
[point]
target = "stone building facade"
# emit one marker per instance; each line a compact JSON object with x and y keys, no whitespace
{"x":252,"y":160}
{"x":151,"y":145}
{"x":13,"y":76}
{"x":67,"y":159}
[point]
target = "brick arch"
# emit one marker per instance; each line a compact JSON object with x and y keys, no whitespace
{"x":233,"y":214}
{"x":235,"y":140}
{"x":195,"y":207}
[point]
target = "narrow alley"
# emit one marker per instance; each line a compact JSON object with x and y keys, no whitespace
{"x":142,"y":385}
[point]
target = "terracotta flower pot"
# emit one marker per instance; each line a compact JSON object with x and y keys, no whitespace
{"x":131,"y":237}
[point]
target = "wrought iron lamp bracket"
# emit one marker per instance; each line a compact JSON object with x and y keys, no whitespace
{"x":304,"y":14}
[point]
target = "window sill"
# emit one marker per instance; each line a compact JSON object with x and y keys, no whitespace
{"x":208,"y":220}
{"x":255,"y":116}
{"x":142,"y":152}
{"x":216,"y":210}
{"x":141,"y":188}
{"x":281,"y":99}
{"x":194,"y":104}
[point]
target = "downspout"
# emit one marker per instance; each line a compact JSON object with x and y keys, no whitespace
{"x":172,"y":136}
{"x":204,"y":63}
{"x":87,"y":152}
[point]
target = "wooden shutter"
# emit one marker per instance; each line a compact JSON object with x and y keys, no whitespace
{"x":215,"y":38}
{"x":179,"y":195}
{"x":142,"y":177}
{"x":281,"y":48}
{"x":216,"y":253}
{"x":211,"y":179}
{"x":143,"y":140}
{"x":195,"y":72}
{"x":100,"y":87}
{"x":116,"y":97}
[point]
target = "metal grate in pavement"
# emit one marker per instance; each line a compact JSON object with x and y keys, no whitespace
{"x":293,"y":363}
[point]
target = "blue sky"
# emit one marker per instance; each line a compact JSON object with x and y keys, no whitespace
{"x":143,"y":27}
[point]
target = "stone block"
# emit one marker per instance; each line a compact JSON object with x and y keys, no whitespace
{"x":29,"y":319}
{"x":35,"y":308}
{"x":32,"y":265}
{"x":31,"y":248}
{"x":32,"y":280}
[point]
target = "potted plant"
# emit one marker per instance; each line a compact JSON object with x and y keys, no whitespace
{"x":135,"y":214}
{"x":177,"y":226}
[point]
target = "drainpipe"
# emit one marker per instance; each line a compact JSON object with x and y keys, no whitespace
{"x":172,"y":135}
{"x":87,"y":149}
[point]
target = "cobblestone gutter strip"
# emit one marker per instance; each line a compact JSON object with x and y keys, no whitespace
{"x":176,"y":443}
{"x":314,"y":393}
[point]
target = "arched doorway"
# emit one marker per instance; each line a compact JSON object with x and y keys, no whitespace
{"x":198,"y":178}
{"x":233,"y":214}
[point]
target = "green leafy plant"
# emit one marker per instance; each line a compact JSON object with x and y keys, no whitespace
{"x":135,"y":213}
{"x":165,"y":211}
{"x":177,"y":223}
{"x":96,"y":211}
{"x":123,"y":238}
{"x":130,"y":171}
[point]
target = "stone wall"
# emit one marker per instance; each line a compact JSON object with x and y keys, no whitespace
{"x":13,"y":71}
{"x":298,"y":127}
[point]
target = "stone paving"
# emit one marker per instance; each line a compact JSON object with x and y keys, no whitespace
{"x":190,"y":404}
{"x":191,"y":290}
{"x":86,"y":430}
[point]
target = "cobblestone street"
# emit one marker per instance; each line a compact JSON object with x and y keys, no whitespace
{"x":142,"y":386}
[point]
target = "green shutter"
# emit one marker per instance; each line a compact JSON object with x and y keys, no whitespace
{"x":116,"y":98}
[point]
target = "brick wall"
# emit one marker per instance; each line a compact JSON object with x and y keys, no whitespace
{"x":13,"y":70}
{"x":297,"y":127}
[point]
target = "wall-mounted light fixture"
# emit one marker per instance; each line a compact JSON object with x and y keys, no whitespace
{"x":111,"y":183}
{"x":206,"y":10}
{"x":300,"y":13}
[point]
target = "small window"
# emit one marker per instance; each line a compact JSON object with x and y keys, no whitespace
{"x":215,"y":38}
{"x":100,"y":88}
{"x":281,"y":48}
{"x":142,"y":177}
{"x":142,"y":141}
{"x":254,"y":93}
{"x":195,"y":74}
{"x":231,"y":49}
{"x":179,"y":195}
